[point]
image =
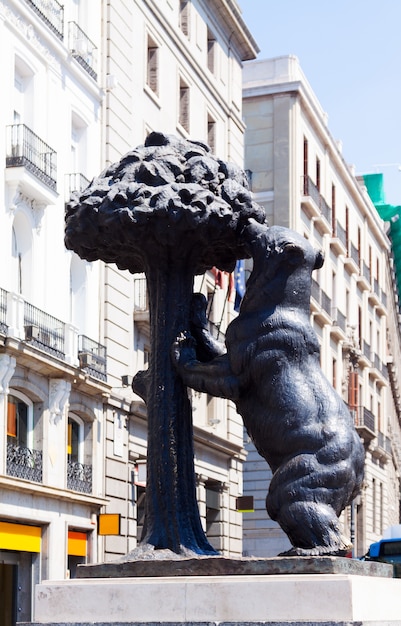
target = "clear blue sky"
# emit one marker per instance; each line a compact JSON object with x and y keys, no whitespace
{"x":350,"y":52}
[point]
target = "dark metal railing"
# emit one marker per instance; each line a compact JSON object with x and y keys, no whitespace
{"x":339,"y":318}
{"x":79,"y":477}
{"x":377,"y":362}
{"x":310,"y":189}
{"x":3,"y":311}
{"x":92,"y":357}
{"x":321,"y":296}
{"x":24,"y":463}
{"x":366,"y":271}
{"x":341,"y":234}
{"x":52,"y":13}
{"x":384,"y":442}
{"x":354,"y":254}
{"x":82,"y":48}
{"x":141,"y":302}
{"x":44,"y":331}
{"x":26,"y":149}
{"x":75,"y":183}
{"x":366,"y":349}
{"x":383,"y":297}
{"x":364,"y":417}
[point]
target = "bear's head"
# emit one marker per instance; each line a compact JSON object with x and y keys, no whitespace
{"x":283,"y":262}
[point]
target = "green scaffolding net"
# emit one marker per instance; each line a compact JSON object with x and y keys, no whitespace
{"x":388,"y":213}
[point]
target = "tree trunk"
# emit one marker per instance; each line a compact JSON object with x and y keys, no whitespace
{"x":172,"y":516}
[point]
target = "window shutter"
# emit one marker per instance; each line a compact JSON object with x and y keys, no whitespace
{"x":11,"y":419}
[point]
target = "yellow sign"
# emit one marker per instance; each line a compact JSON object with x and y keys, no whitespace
{"x":20,"y":537}
{"x":109,"y":524}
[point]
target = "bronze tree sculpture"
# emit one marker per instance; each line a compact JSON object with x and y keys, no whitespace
{"x":170,"y":209}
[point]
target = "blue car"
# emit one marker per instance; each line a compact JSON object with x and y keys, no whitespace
{"x":386,"y":551}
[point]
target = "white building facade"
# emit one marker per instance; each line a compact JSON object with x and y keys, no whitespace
{"x":52,"y":354}
{"x":300,"y":177}
{"x":84,"y":83}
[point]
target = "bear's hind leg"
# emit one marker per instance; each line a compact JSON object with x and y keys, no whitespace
{"x":313,"y":529}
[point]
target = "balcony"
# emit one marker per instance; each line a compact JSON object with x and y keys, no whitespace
{"x":24,"y":463}
{"x":44,"y":331}
{"x":25,"y":149}
{"x":351,"y":261}
{"x":364,"y":422}
{"x":338,"y":241}
{"x":74,"y":183}
{"x":92,"y":357}
{"x":141,"y":306}
{"x":382,"y":449}
{"x":364,"y":278}
{"x":315,"y":205}
{"x":365,"y":354}
{"x":52,"y":13}
{"x":320,"y":303}
{"x":21,"y":320}
{"x":339,"y":328}
{"x":79,"y":477}
{"x":82,"y":48}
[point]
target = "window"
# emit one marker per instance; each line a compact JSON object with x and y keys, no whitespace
{"x":21,"y":255}
{"x":305,"y":170}
{"x":374,"y":505}
{"x":19,"y":422}
{"x":318,"y":173}
{"x":347,"y":238}
{"x":333,"y":211}
{"x":353,"y":390}
{"x":23,"y":461}
{"x":211,"y":133}
{"x":211,"y":52}
{"x":184,"y":17}
{"x":75,"y":441}
{"x":78,"y":306}
{"x":79,"y":469}
{"x":183,"y":110}
{"x":152,"y":75}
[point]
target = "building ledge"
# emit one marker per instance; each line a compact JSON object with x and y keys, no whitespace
{"x":41,"y":490}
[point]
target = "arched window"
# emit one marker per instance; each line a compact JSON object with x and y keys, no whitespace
{"x":79,"y":471}
{"x":75,"y":448}
{"x":19,"y":422}
{"x":23,"y":461}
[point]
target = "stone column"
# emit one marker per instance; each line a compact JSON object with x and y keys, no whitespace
{"x":55,"y":462}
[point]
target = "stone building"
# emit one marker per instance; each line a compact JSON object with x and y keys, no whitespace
{"x":83,"y":83}
{"x":299,"y":175}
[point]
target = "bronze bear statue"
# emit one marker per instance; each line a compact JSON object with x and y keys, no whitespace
{"x":271,"y":370}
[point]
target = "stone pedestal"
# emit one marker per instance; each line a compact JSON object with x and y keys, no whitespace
{"x":328,"y":599}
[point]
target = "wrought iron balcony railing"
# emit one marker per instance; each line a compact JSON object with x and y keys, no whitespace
{"x":26,"y":149}
{"x":321,"y":297}
{"x":52,"y":13}
{"x":354,"y":254}
{"x":82,"y":48}
{"x":141,"y":302}
{"x":79,"y":477}
{"x":310,"y":189}
{"x":75,"y":183}
{"x":3,"y":311}
{"x":92,"y":357}
{"x":44,"y":331}
{"x":339,"y":318}
{"x":364,"y":418}
{"x":24,"y":463}
{"x":340,"y":232}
